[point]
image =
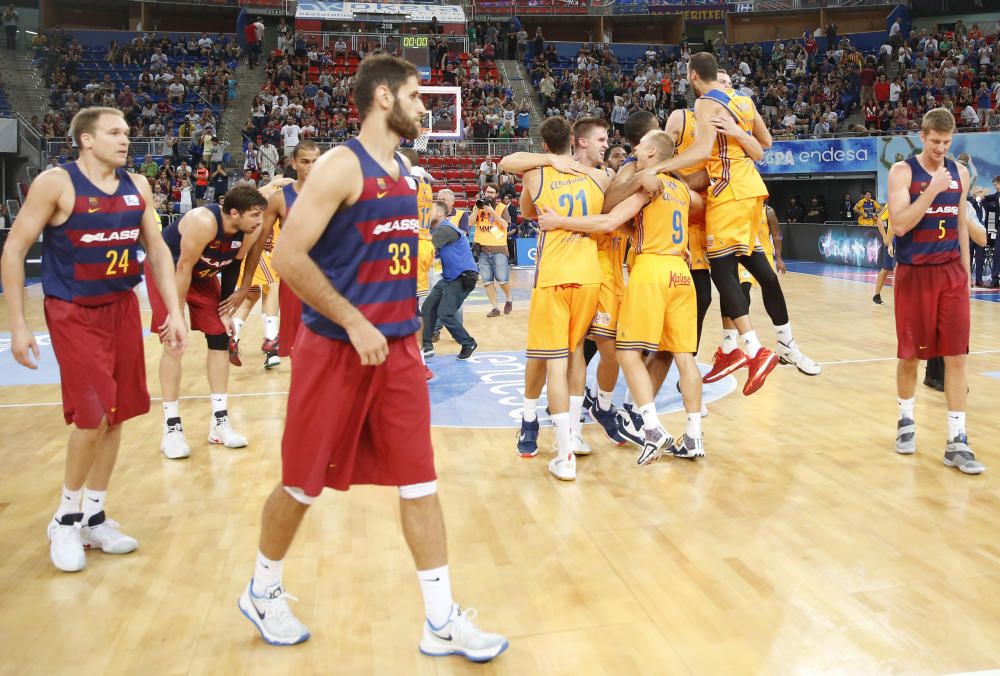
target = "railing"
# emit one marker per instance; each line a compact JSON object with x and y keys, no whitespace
{"x":140,"y":145}
{"x":31,"y":142}
{"x":771,"y":5}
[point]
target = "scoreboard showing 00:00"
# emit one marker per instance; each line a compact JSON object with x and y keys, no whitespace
{"x":415,"y":41}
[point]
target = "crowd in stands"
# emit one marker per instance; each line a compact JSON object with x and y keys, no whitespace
{"x":800,"y":89}
{"x":175,"y":90}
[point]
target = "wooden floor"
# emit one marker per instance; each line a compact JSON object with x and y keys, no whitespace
{"x":800,"y":545}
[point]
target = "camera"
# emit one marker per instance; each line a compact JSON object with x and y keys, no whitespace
{"x":480,"y":203}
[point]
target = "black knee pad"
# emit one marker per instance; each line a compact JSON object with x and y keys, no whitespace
{"x":218,"y":341}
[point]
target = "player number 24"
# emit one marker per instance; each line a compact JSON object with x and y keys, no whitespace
{"x":118,"y":264}
{"x":400,"y":264}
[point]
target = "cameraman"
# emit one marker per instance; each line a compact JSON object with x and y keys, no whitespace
{"x":490,"y":242}
{"x":458,"y":279}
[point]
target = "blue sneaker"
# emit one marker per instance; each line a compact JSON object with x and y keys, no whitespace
{"x":588,"y":403}
{"x":630,"y":425}
{"x":527,"y":439}
{"x":608,"y":420}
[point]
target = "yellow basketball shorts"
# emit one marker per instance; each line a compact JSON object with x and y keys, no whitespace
{"x":264,"y":276}
{"x":731,"y":226}
{"x":425,"y":260}
{"x":660,"y":308}
{"x":697,"y":245}
{"x":559,"y":319}
{"x":609,"y":301}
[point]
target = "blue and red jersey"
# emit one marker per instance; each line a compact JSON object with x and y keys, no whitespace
{"x":934,"y":240}
{"x":92,"y":258}
{"x":368,"y":252}
{"x":219,"y":253}
{"x":290,"y":197}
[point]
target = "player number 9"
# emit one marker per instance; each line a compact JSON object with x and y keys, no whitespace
{"x":678,"y":223}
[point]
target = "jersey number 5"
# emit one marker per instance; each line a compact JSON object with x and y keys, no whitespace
{"x":119,"y":263}
{"x":941,"y":230}
{"x":400,"y":264}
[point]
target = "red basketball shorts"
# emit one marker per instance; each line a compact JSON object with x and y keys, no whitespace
{"x":350,"y":424}
{"x":290,"y":319}
{"x":932,"y":310}
{"x":102,"y":364}
{"x":203,"y":299}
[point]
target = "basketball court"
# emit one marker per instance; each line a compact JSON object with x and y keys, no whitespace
{"x":801,"y":543}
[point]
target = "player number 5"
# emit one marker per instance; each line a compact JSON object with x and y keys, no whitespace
{"x":400,"y":259}
{"x":118,"y":264}
{"x":941,"y":230}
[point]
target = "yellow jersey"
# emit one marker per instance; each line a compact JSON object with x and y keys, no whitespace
{"x":732,"y":174}
{"x":425,"y":200}
{"x":764,"y":234}
{"x":661,"y":227}
{"x":566,"y":257}
{"x":611,"y":257}
{"x":685,"y":140}
{"x":491,"y":232}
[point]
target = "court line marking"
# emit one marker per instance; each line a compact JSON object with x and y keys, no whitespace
{"x":285,"y":393}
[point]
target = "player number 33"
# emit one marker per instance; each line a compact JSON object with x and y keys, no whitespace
{"x":400,"y":264}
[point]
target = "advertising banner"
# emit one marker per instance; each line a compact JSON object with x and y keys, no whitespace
{"x":527,"y":251}
{"x":820,"y":156}
{"x":839,"y":244}
{"x":345,"y":11}
{"x":983,"y":150}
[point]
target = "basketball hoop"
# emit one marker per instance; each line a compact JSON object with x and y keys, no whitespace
{"x":420,"y":143}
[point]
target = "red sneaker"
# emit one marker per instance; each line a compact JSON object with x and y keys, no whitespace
{"x":759,"y":366}
{"x":234,"y":352}
{"x":428,"y":374}
{"x":725,"y":363}
{"x":269,"y":346}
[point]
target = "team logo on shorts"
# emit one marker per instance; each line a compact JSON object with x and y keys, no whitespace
{"x":602,"y":319}
{"x":710,"y":240}
{"x":679,"y":280}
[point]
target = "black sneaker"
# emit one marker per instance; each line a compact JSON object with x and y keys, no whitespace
{"x":467,"y":350}
{"x":877,"y":299}
{"x":436,"y":336}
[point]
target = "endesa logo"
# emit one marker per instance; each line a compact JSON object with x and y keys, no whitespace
{"x":399,"y":225}
{"x":115,"y":236}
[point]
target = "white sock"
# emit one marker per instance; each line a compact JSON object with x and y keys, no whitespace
{"x":956,"y":424}
{"x":219,"y":403}
{"x":270,"y":327}
{"x":93,"y":502}
{"x":604,"y":400}
{"x":628,"y":399}
{"x":592,"y":390}
{"x":694,"y":425}
{"x":785,"y":334}
{"x":649,"y":418}
{"x":560,"y":422}
{"x":906,"y":407}
{"x":267,"y":573}
{"x":435,"y":585}
{"x":171,"y":409}
{"x":729,"y":340}
{"x":575,"y":410}
{"x":530,"y":412}
{"x":751,"y":343}
{"x":237,"y":327}
{"x":70,"y":502}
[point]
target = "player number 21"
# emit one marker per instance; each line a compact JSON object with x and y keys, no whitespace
{"x":400,"y":259}
{"x":118,"y":264}
{"x":566,"y":202}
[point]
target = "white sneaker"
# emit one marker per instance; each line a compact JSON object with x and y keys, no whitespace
{"x":106,"y":537}
{"x":271,"y":360}
{"x":272,"y":616}
{"x":704,"y":410}
{"x":562,"y":468}
{"x":793,"y":355}
{"x":222,"y":432}
{"x":578,"y":445}
{"x":65,"y":547}
{"x":461,"y":637}
{"x":174,"y":446}
{"x":656,"y":440}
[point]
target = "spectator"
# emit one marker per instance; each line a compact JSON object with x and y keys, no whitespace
{"x":817,"y":211}
{"x":487,"y":172}
{"x":10,"y":21}
{"x":794,"y":211}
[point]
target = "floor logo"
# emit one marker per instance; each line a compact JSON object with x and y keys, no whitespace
{"x":487,"y":390}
